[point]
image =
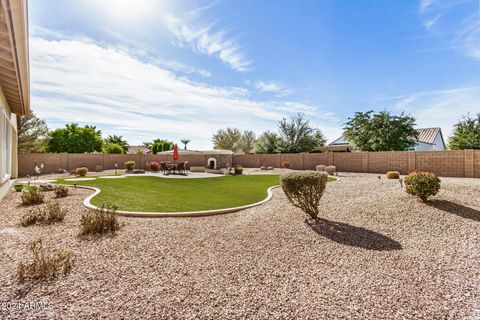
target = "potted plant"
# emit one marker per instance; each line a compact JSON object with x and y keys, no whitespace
{"x":18,"y":187}
{"x":238,"y":169}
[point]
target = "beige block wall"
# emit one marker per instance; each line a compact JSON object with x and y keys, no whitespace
{"x":464,"y":163}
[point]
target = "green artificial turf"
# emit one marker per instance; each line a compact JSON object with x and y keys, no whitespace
{"x":153,"y":194}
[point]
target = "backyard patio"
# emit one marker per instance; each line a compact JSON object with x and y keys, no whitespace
{"x":376,"y":253}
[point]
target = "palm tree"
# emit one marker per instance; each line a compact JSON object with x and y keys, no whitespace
{"x":114,"y":139}
{"x":185,"y":142}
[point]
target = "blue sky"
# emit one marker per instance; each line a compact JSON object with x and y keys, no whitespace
{"x":150,"y":69}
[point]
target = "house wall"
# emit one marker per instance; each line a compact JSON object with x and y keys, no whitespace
{"x":8,"y":145}
{"x":420,"y":146}
{"x":439,"y":145}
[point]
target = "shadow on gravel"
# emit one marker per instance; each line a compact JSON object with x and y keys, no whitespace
{"x":353,"y":236}
{"x":457,"y":209}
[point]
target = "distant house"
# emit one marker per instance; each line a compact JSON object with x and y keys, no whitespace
{"x":428,"y":139}
{"x":135,"y":150}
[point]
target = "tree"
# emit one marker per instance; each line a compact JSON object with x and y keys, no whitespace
{"x":113,"y":148}
{"x":268,"y":142}
{"x":185,"y":142}
{"x":466,"y":134}
{"x":247,"y":141}
{"x":160,"y":145}
{"x":297,"y":135}
{"x":369,"y":131}
{"x":75,"y":139}
{"x":118,"y":140}
{"x":32,"y":134}
{"x":227,"y":139}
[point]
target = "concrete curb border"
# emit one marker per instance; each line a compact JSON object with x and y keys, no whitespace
{"x":87,"y":203}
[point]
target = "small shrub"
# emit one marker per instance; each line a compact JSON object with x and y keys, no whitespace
{"x":305,"y":189}
{"x":18,"y":187}
{"x":45,"y":187}
{"x":32,"y":195}
{"x":82,"y":172}
{"x":101,"y":220}
{"x":331,"y":170}
{"x":238,"y":169}
{"x":44,"y":266}
{"x":393,"y":175}
{"x":286,"y":164}
{"x":320,"y":167}
{"x":154,"y":166}
{"x":422,"y":184}
{"x":98,"y":168}
{"x":129,"y":165}
{"x":60,"y":191}
{"x":50,"y":214}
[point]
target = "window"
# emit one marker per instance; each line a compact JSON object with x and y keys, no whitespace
{"x":5,"y":147}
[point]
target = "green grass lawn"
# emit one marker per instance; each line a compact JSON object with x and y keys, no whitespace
{"x":153,"y":194}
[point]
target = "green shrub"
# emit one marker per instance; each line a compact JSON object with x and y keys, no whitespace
{"x":81,"y":171}
{"x":305,"y":189}
{"x":331,"y":170}
{"x":113,"y":148}
{"x":60,"y":191}
{"x":18,"y":187}
{"x":130,"y":165}
{"x":422,"y":184}
{"x":32,"y":195}
{"x":101,"y":220}
{"x":393,"y":175}
{"x":50,"y":214}
{"x":320,"y":167}
{"x":44,"y":266}
{"x":238,"y":169}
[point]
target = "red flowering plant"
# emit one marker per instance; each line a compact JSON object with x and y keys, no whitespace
{"x":154,"y":166}
{"x":286,"y":164}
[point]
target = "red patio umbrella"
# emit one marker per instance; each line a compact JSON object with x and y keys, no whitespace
{"x":175,"y":152}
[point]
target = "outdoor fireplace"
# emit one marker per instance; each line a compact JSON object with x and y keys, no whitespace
{"x":212,"y":163}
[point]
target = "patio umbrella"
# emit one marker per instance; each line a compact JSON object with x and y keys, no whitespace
{"x":175,"y":152}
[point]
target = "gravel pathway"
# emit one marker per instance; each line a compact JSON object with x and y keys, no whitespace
{"x":378,"y":253}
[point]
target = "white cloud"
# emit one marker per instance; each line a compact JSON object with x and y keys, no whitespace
{"x":78,"y":80}
{"x":425,"y":4}
{"x":430,"y":23}
{"x":440,"y":108}
{"x":278,"y":89}
{"x":204,"y":40}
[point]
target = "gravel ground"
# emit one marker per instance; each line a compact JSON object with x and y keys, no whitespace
{"x":377,"y":253}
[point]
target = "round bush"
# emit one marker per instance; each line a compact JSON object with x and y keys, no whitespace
{"x":113,"y":148}
{"x":305,"y":189}
{"x":129,"y":165}
{"x":81,"y":171}
{"x":393,"y":175}
{"x":286,"y":164}
{"x":422,"y":184}
{"x":238,"y":169}
{"x":320,"y":167}
{"x":154,"y":166}
{"x":331,"y":170}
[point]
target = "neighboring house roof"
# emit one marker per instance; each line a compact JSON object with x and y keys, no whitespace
{"x":428,"y":135}
{"x":14,"y":66}
{"x":134,"y":149}
{"x":424,"y":135}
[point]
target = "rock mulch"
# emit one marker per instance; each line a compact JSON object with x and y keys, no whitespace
{"x":375,"y":253}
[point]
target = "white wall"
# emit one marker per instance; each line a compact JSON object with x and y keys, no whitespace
{"x":420,"y":146}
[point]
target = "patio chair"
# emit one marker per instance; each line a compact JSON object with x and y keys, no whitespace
{"x":163,"y":167}
{"x":181,"y":167}
{"x":187,"y":166}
